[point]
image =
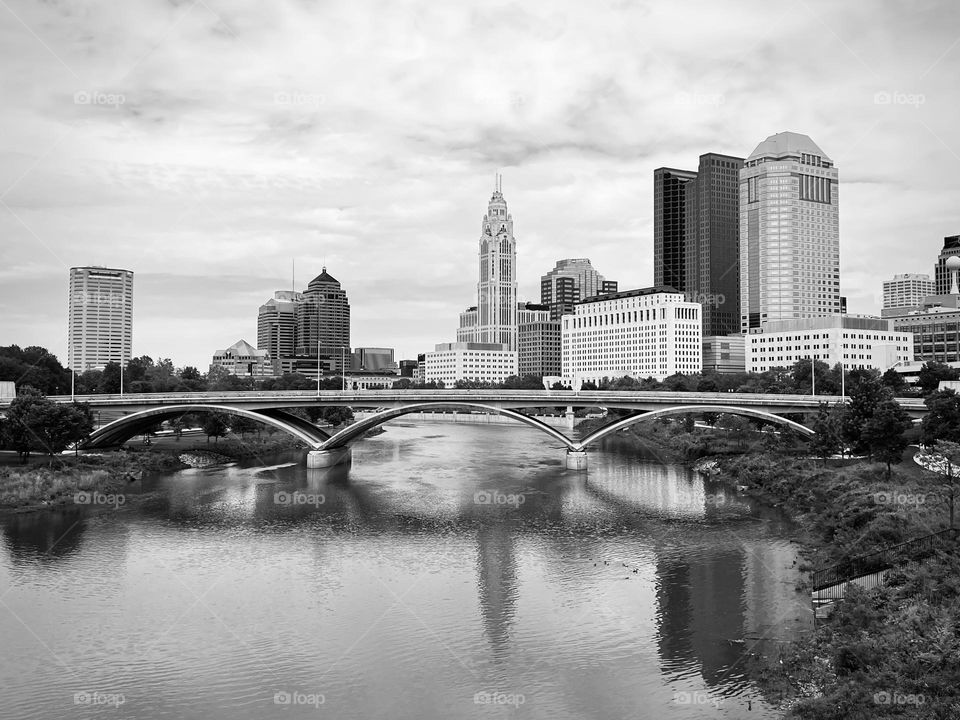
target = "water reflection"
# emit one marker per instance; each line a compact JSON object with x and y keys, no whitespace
{"x":598,"y":595}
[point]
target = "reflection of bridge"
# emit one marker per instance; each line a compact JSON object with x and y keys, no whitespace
{"x":143,"y":411}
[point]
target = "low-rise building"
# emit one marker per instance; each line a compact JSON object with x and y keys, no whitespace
{"x":482,"y":362}
{"x":651,"y":332}
{"x":244,"y":360}
{"x":857,"y":341}
{"x":724,"y":354}
{"x":935,"y":326}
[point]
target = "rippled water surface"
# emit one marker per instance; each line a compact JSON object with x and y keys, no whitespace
{"x":453,"y":571}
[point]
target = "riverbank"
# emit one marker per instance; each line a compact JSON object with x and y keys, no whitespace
{"x":76,"y":479}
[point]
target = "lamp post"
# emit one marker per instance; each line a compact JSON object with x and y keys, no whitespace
{"x":813,"y":376}
{"x":318,"y":367}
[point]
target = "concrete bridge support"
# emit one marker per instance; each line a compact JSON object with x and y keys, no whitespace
{"x":329,"y":458}
{"x":576,"y":459}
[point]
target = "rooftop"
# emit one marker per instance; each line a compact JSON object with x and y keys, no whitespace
{"x":787,"y":144}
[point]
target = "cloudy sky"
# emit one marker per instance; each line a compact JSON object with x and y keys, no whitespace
{"x":205,"y":144}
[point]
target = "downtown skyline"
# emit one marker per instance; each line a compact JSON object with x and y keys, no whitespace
{"x":208,"y":173}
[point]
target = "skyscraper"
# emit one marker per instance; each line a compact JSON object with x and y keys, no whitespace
{"x":570,"y":281}
{"x":495,"y":319}
{"x":323,"y":321}
{"x":951,"y":247}
{"x":711,"y":238}
{"x":669,"y":227}
{"x":277,"y":325}
{"x":789,"y":232}
{"x":908,"y":289}
{"x":100,"y":317}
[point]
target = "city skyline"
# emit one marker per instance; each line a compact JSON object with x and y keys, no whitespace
{"x":148,"y":141}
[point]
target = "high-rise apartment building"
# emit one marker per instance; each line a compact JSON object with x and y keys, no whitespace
{"x":942,"y":278}
{"x":277,"y":325}
{"x":570,"y":281}
{"x":789,"y":232}
{"x":906,"y":290}
{"x":323,"y":322}
{"x":99,"y":317}
{"x":494,"y":320}
{"x":669,"y":227}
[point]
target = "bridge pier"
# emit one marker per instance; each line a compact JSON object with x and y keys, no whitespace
{"x":576,"y":459}
{"x":329,"y":458}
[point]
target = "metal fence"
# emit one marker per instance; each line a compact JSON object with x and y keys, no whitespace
{"x":882,"y":559}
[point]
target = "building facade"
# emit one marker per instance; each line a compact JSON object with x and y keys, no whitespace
{"x":570,"y":281}
{"x":652,"y":332}
{"x":906,"y":290}
{"x":539,"y":348}
{"x":857,"y":341}
{"x":323,"y":322}
{"x":935,"y":327}
{"x":373,"y":359}
{"x":669,"y":227}
{"x":789,"y":232}
{"x":724,"y":354}
{"x":494,"y":319}
{"x":482,"y":362}
{"x":277,"y":325}
{"x":243,"y":360}
{"x":99,"y":318}
{"x":942,"y":277}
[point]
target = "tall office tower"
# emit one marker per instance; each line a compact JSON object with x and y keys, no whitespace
{"x":906,"y":290}
{"x":277,"y":324}
{"x":100,"y":317}
{"x":951,"y":247}
{"x":789,"y":232}
{"x":570,"y":281}
{"x":323,"y":322}
{"x":711,"y":236}
{"x":669,"y":227}
{"x":495,"y":318}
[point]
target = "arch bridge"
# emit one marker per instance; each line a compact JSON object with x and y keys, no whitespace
{"x":138,"y":412}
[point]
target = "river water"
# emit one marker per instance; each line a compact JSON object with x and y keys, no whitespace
{"x":453,"y":571}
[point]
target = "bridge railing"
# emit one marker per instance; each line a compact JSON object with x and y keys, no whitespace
{"x":889,"y":557}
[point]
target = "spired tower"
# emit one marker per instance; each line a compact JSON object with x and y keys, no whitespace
{"x":496,"y":320}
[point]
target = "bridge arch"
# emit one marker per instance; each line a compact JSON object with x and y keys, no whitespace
{"x":352,"y":432}
{"x":122,"y":429}
{"x":598,"y":435}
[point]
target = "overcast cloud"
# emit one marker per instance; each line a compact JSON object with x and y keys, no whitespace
{"x":204,"y":145}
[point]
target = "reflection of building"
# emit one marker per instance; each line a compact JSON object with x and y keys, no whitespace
{"x":373,"y":358}
{"x":858,"y":341}
{"x":570,"y":281}
{"x":724,"y":354}
{"x":651,"y":332}
{"x":100,"y":318}
{"x":243,"y":360}
{"x":905,"y":290}
{"x":497,"y":580}
{"x":669,"y":227}
{"x":789,"y":232}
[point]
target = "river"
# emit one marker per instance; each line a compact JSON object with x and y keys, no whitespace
{"x":453,"y":571}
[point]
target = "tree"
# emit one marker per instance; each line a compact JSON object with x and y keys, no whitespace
{"x":110,"y":378}
{"x":932,"y":372}
{"x":736,"y":425}
{"x":403,"y":384}
{"x":950,"y":452}
{"x":827,"y":439}
{"x":37,"y":424}
{"x":36,"y":367}
{"x":942,"y":422}
{"x":177,"y":426}
{"x":337,"y":414}
{"x":866,"y":394}
{"x":214,"y":425}
{"x":883,"y":433}
{"x":894,"y":380}
{"x":243,"y":425}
